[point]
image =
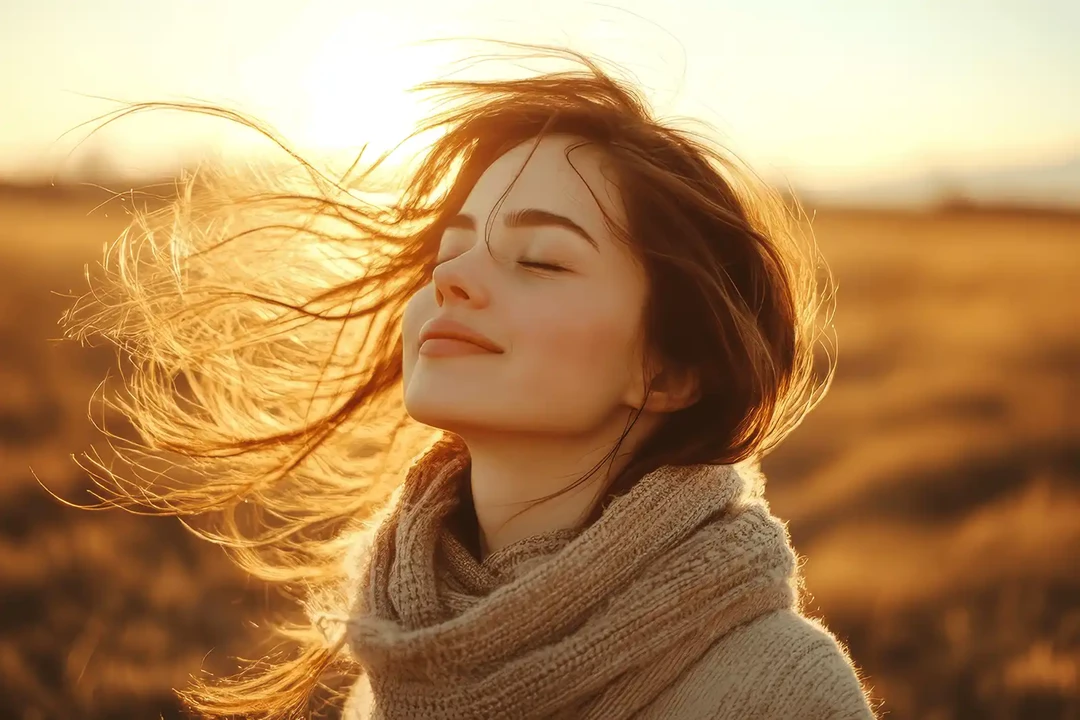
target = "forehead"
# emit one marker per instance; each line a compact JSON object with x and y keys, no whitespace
{"x":563,"y":174}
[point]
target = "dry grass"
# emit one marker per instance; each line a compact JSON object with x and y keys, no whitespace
{"x":934,"y":492}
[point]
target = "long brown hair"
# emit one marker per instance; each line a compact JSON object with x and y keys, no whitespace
{"x":261,"y":309}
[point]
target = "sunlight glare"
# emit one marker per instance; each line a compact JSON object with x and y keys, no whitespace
{"x":356,"y":87}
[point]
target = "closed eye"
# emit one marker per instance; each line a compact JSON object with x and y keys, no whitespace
{"x":542,"y":266}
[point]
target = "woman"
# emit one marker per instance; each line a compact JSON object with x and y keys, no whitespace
{"x":607,"y":322}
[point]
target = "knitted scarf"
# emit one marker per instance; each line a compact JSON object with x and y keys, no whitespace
{"x":587,"y":624}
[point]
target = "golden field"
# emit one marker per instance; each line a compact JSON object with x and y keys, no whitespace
{"x":935,"y":493}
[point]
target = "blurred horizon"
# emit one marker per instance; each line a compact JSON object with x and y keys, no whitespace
{"x":891,"y":105}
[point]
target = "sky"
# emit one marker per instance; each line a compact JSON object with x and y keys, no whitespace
{"x":823,"y":92}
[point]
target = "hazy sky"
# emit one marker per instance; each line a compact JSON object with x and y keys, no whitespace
{"x":824,"y":91}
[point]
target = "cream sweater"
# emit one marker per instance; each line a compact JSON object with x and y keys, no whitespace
{"x":781,"y":666}
{"x":678,"y":603}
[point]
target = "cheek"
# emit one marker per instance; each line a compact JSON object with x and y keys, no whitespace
{"x":418,"y":310}
{"x":586,"y":348}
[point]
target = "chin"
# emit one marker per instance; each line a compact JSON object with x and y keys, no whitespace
{"x":445,"y":414}
{"x":468,"y":422}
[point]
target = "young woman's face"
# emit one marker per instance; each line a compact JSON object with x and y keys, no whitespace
{"x":560,"y":308}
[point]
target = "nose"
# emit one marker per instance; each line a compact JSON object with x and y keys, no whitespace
{"x":456,"y":285}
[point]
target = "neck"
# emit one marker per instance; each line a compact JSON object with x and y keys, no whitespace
{"x":510,"y":475}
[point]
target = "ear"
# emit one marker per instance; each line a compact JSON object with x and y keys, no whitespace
{"x":672,"y":389}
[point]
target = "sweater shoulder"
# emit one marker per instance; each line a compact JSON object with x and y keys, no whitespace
{"x":779,"y":665}
{"x":816,"y":667}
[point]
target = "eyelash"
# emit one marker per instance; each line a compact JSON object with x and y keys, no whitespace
{"x":547,"y":267}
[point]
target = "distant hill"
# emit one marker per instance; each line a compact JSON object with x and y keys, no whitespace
{"x":1044,"y":186}
{"x":1049,"y":186}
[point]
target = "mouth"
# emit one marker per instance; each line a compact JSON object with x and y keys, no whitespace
{"x":450,"y":347}
{"x":442,"y":336}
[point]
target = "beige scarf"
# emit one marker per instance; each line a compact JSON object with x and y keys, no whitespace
{"x":590,"y":624}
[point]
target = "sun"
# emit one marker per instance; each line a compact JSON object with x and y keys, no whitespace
{"x":355,"y":87}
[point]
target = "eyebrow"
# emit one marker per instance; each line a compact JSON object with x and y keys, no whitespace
{"x":528,"y":217}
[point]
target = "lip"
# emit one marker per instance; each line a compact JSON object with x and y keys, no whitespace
{"x":444,"y":328}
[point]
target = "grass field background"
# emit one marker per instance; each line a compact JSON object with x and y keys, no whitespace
{"x":935,"y":492}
